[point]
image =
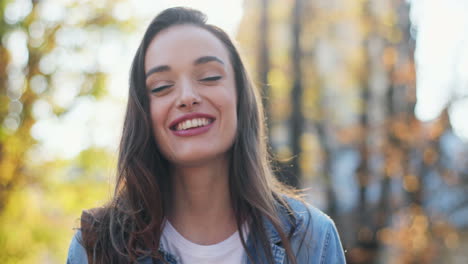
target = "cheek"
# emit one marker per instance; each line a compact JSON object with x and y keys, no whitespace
{"x":229,"y":108}
{"x":225,"y":100}
{"x":158,"y":114}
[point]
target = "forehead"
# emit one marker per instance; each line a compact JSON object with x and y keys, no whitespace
{"x":181,"y":44}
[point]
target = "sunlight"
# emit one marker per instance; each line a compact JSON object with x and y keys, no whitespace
{"x":441,"y":55}
{"x":442,"y":58}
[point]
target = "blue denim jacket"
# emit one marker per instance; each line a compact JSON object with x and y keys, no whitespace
{"x":315,"y":240}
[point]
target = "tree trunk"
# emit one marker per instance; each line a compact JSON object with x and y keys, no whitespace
{"x":297,"y":118}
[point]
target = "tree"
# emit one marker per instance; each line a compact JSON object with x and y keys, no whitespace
{"x":45,"y":196}
{"x":352,"y":127}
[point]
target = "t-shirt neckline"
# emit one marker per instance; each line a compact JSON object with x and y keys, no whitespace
{"x":195,"y":249}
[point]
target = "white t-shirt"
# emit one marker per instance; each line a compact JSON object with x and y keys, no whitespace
{"x":229,"y":251}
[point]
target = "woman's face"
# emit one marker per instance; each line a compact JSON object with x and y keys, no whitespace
{"x":191,"y":88}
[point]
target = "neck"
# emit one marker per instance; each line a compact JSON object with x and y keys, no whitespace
{"x":201,"y":207}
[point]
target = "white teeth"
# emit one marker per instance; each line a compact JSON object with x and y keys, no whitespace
{"x":196,"y":122}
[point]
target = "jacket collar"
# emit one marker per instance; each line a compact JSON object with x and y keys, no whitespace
{"x":289,"y":219}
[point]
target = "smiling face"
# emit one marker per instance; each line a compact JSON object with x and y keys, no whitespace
{"x":191,"y":88}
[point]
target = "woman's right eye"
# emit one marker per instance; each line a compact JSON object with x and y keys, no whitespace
{"x":160,"y":88}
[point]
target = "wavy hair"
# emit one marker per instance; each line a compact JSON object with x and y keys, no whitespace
{"x":130,"y":225}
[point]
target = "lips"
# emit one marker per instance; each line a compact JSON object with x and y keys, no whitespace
{"x":191,"y":121}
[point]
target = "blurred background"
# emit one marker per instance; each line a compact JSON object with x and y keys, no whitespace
{"x":367,"y":105}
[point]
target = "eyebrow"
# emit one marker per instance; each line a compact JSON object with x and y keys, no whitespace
{"x":206,"y":59}
{"x":201,"y":60}
{"x":162,"y":68}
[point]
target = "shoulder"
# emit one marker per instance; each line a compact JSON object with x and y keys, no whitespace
{"x":315,"y":238}
{"x":89,"y":221}
{"x":76,"y":251}
{"x":308,"y":216}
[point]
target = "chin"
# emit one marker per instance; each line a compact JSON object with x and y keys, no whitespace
{"x":197,"y":158}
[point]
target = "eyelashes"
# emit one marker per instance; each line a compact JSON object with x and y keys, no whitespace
{"x":212,"y":78}
{"x":160,"y":88}
{"x":205,"y":80}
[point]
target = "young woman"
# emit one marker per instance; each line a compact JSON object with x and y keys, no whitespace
{"x":194,"y":181}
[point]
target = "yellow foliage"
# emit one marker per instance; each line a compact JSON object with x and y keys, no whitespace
{"x":7,"y":170}
{"x":410,"y":183}
{"x":280,"y":84}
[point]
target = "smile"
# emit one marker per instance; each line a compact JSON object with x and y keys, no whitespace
{"x":192,"y":123}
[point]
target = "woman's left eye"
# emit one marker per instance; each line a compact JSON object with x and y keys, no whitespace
{"x":212,"y":78}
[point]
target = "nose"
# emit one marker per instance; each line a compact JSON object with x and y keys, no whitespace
{"x":189,"y":96}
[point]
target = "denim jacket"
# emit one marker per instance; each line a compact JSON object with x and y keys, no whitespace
{"x":315,"y":240}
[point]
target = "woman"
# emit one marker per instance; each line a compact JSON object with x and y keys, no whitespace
{"x":194,"y":183}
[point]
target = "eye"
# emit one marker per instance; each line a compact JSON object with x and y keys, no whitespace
{"x":211,"y":79}
{"x":160,"y":88}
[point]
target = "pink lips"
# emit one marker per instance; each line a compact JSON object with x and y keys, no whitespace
{"x":192,"y":131}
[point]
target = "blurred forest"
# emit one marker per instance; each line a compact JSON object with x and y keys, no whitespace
{"x":339,"y":83}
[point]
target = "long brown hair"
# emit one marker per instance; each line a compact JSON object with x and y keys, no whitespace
{"x":130,"y":225}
